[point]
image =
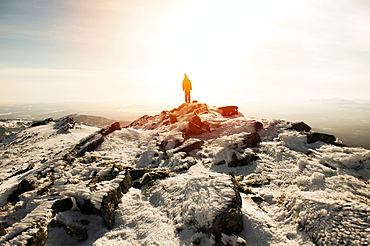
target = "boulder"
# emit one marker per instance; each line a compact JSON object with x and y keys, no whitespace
{"x":200,"y":202}
{"x":150,"y":177}
{"x":43,"y":122}
{"x":300,"y":126}
{"x":91,"y":142}
{"x":189,"y":145}
{"x":111,"y":128}
{"x":229,"y":110}
{"x":109,"y":201}
{"x":172,"y":140}
{"x":243,"y":160}
{"x":250,"y":140}
{"x":315,"y":136}
{"x":62,"y":205}
{"x":257,"y":125}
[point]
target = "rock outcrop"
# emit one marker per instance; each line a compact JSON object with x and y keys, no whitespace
{"x":315,"y":136}
{"x":229,"y":110}
{"x":202,"y":203}
{"x":41,"y":123}
{"x":91,"y":142}
{"x":300,"y":126}
{"x":65,"y":124}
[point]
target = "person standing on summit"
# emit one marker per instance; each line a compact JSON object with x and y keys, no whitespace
{"x":186,"y":86}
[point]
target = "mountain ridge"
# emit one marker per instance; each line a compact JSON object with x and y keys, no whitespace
{"x":196,"y":174}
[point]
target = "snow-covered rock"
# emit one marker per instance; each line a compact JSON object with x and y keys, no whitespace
{"x":193,"y":175}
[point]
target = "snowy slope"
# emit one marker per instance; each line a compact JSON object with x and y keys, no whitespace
{"x":194,"y":175}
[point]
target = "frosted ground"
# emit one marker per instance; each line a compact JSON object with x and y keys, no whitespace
{"x":292,"y":192}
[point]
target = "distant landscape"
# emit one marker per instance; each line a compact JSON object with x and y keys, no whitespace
{"x":347,"y":120}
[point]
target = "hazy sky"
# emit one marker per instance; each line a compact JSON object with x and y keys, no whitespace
{"x":137,"y":51}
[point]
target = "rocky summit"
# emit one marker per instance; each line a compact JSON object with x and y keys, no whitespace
{"x":193,"y":175}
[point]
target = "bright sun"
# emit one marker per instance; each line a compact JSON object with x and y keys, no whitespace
{"x":211,"y":41}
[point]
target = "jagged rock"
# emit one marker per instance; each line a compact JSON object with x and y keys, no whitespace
{"x":62,"y":205}
{"x":331,"y":221}
{"x":257,"y":198}
{"x":239,"y":186}
{"x":172,"y":140}
{"x":173,"y":117}
{"x":315,"y":136}
{"x":143,"y":177}
{"x":229,"y":110}
{"x":30,"y":230}
{"x":196,"y":126}
{"x":151,"y":177}
{"x":187,"y":163}
{"x":190,"y":199}
{"x":111,"y":128}
{"x":139,"y":122}
{"x":189,"y":145}
{"x":109,"y":201}
{"x":43,"y":122}
{"x":65,"y":124}
{"x":113,"y":172}
{"x":243,"y":160}
{"x":300,"y":126}
{"x":187,"y":108}
{"x":91,"y":142}
{"x":23,"y":186}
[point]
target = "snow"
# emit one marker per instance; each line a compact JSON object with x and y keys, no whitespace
{"x":310,"y":194}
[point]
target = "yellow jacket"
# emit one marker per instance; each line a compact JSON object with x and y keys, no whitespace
{"x":186,"y":84}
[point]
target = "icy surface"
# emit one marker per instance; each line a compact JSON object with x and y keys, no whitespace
{"x":295,"y":193}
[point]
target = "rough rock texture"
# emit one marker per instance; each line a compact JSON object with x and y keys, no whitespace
{"x":300,"y":126}
{"x":229,"y":110}
{"x":65,"y":124}
{"x":158,"y":182}
{"x":30,"y":230}
{"x":203,"y":203}
{"x":196,"y":126}
{"x":190,"y":145}
{"x":43,"y":122}
{"x":315,"y":136}
{"x":111,"y":128}
{"x":91,"y":142}
{"x":243,"y":159}
{"x":109,"y":201}
{"x":187,"y":112}
{"x":250,"y":140}
{"x":323,"y":221}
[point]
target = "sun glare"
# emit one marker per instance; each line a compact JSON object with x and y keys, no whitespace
{"x":213,"y":42}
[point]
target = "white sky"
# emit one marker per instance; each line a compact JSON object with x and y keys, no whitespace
{"x":136,"y":52}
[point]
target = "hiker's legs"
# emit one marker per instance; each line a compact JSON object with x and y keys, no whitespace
{"x":187,"y":96}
